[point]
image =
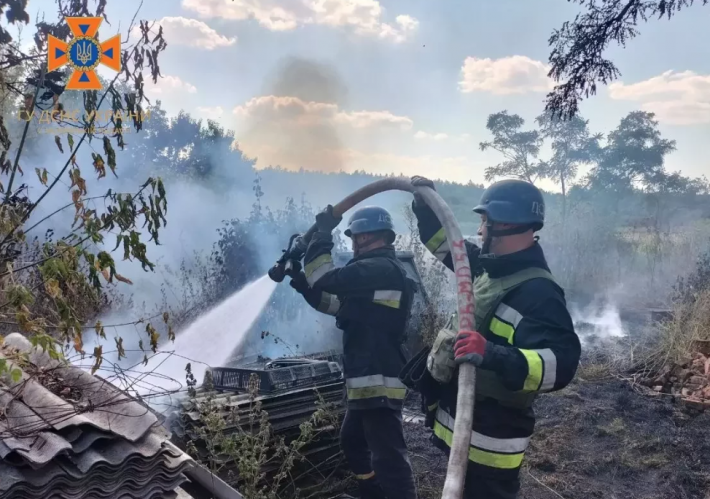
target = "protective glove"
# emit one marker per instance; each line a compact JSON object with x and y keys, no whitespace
{"x":418,"y":181}
{"x":470,"y":347}
{"x":299,"y":282}
{"x":326,"y":221}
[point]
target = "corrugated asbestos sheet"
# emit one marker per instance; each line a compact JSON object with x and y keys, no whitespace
{"x":67,"y":434}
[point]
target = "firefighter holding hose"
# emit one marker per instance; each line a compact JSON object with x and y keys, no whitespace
{"x":371,"y":298}
{"x":524,"y":343}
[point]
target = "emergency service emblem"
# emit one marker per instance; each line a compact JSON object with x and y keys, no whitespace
{"x":84,"y":53}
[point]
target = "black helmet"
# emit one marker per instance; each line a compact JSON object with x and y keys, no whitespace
{"x":513,"y":202}
{"x":370,"y":219}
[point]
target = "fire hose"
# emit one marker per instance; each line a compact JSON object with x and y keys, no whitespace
{"x":458,"y":457}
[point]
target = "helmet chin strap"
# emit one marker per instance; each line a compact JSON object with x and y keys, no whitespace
{"x":358,"y":250}
{"x":491,"y":233}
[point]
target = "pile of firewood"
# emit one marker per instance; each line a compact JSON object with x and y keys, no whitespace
{"x":689,"y":381}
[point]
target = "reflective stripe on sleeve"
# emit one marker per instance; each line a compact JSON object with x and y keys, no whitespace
{"x":388,"y":298}
{"x":549,"y":369}
{"x":315,"y":269}
{"x":505,"y":322}
{"x":509,"y":315}
{"x":438,"y":245}
{"x":502,"y":329}
{"x":534,"y":377}
{"x":329,"y":304}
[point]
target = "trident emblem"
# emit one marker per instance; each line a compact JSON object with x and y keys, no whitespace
{"x":84,"y":53}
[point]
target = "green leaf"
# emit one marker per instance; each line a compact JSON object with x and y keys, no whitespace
{"x":70,"y":139}
{"x":110,"y":155}
{"x":119,"y":347}
{"x":154,"y":337}
{"x":42,"y":175}
{"x":99,"y":328}
{"x":98,"y":354}
{"x":19,"y":295}
{"x":16,"y":375}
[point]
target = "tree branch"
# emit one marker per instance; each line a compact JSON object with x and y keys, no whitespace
{"x":66,"y":166}
{"x":67,"y":206}
{"x":24,"y":137}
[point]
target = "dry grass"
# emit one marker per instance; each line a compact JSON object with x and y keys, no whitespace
{"x":690,"y":323}
{"x":594,"y":371}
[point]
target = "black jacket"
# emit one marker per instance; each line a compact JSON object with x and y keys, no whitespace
{"x":537,"y":351}
{"x":370,"y":298}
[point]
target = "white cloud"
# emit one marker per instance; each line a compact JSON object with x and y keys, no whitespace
{"x":439,"y":137}
{"x":296,"y":112}
{"x":192,"y":33}
{"x":365,"y":17}
{"x":516,"y":74}
{"x":420,"y":135}
{"x":368,"y":119}
{"x":168,"y":85}
{"x":677,"y":98}
{"x":211,"y":113}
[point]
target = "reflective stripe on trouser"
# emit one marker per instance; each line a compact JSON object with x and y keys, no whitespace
{"x":374,"y":447}
{"x":376,"y":385}
{"x":502,"y":453}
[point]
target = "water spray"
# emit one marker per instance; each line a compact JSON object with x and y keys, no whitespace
{"x":289,"y":264}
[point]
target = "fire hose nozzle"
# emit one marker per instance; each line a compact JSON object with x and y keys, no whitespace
{"x":280,"y":270}
{"x":289,"y":263}
{"x":277,"y":273}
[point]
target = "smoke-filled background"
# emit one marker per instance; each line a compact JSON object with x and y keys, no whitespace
{"x":228,"y":221}
{"x":622,"y":225}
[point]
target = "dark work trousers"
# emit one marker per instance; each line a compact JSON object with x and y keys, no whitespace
{"x":478,"y":487}
{"x":373,"y":443}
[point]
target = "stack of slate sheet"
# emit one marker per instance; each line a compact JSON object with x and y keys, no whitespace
{"x":67,"y":434}
{"x":287,"y":409}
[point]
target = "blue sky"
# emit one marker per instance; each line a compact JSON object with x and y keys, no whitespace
{"x":417,"y":78}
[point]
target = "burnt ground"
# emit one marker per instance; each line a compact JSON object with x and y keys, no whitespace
{"x":598,"y":439}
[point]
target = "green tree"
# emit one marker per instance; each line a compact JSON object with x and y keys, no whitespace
{"x":183,"y":147}
{"x":520,"y":148}
{"x":573,"y":145}
{"x":578,"y":47}
{"x":634,"y":156}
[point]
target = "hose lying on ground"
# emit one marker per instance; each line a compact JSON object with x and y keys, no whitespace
{"x":458,"y":458}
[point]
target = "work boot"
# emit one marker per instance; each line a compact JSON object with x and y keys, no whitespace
{"x":370,"y":489}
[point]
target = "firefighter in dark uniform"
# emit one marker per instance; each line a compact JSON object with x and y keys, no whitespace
{"x":370,"y":298}
{"x":524,"y":343}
